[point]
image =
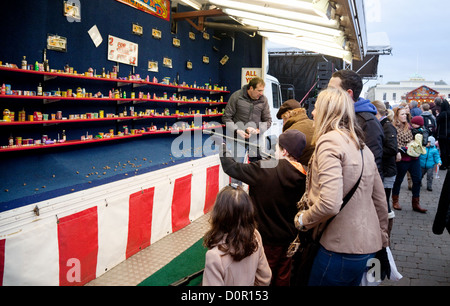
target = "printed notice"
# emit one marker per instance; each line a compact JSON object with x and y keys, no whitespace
{"x":95,"y":35}
{"x":122,"y":51}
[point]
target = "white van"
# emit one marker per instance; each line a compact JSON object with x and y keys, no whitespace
{"x":272,"y":91}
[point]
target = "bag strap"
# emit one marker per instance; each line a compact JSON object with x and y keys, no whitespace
{"x":346,"y":198}
{"x":351,"y":192}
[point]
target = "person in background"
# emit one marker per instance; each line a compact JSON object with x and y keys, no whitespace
{"x":294,"y":117}
{"x":275,"y":187}
{"x":436,"y":108}
{"x":442,"y":218}
{"x":414,"y":108}
{"x":408,"y":119}
{"x":443,"y":133}
{"x":347,"y":243}
{"x":429,"y":160}
{"x":235,"y":255}
{"x":351,"y":82}
{"x":246,"y":116}
{"x":389,"y":155}
{"x":407,"y":109}
{"x":428,"y":119}
{"x":406,"y":163}
{"x":417,"y":127}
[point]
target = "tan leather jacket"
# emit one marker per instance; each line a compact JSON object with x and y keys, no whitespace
{"x":361,"y":227}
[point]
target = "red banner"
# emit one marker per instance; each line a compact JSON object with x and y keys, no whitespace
{"x":181,"y":202}
{"x":212,"y":187}
{"x":2,"y":260}
{"x":140,"y":221}
{"x":159,"y":8}
{"x":78,"y":247}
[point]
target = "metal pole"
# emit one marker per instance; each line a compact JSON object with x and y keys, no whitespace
{"x":240,"y":141}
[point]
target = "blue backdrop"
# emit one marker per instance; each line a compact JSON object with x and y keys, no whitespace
{"x":35,"y":175}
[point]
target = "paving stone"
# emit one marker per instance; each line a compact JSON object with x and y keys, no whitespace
{"x":422,"y":257}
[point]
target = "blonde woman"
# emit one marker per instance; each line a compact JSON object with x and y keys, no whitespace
{"x":359,"y":230}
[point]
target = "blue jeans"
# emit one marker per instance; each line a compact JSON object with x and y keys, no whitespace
{"x":413,"y":167}
{"x":338,"y":269}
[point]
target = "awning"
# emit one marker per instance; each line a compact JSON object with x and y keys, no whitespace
{"x":336,"y":28}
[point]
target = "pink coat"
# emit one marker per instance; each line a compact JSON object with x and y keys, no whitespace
{"x":222,"y":270}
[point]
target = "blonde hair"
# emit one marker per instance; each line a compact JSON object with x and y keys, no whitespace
{"x":390,"y":115}
{"x":381,"y":108}
{"x":335,"y":111}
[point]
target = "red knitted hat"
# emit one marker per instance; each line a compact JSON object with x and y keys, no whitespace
{"x":417,"y":120}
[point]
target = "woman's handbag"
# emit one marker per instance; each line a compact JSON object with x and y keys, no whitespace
{"x":305,"y":248}
{"x":415,"y":147}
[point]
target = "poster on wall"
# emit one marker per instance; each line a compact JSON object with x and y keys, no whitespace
{"x":122,"y":51}
{"x":250,"y":73}
{"x":159,"y":8}
{"x":72,"y":10}
{"x":56,"y":42}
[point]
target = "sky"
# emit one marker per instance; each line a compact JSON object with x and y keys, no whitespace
{"x":419,"y":34}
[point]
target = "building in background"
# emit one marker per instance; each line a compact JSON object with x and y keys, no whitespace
{"x":416,"y":88}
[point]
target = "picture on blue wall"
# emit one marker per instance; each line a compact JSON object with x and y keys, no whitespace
{"x":56,"y":42}
{"x":156,"y":33}
{"x":167,"y":62}
{"x":137,"y":29}
{"x":72,"y":10}
{"x":153,"y":66}
{"x":176,"y":42}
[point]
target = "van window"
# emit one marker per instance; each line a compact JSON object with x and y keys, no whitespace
{"x":276,"y":95}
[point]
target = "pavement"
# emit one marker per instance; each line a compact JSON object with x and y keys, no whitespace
{"x":422,"y":257}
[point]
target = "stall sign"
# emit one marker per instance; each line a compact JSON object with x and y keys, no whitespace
{"x":249,"y":73}
{"x":159,"y":8}
{"x":122,"y":51}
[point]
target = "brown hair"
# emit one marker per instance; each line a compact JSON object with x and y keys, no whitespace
{"x":425,"y":107}
{"x":350,"y":80}
{"x":233,"y":224}
{"x":400,"y":125}
{"x":381,"y":107}
{"x":255,"y":81}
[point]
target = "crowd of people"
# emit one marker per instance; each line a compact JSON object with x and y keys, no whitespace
{"x":353,"y":153}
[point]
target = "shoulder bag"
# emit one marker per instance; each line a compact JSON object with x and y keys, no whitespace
{"x":305,"y":247}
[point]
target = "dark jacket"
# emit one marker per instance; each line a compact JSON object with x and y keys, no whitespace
{"x":442,"y":219}
{"x":389,"y":148}
{"x":373,"y":132}
{"x":241,"y":110}
{"x":275,"y":187}
{"x":443,"y":122}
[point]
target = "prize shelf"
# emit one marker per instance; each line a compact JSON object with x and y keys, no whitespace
{"x":104,"y":119}
{"x":49,"y":99}
{"x":120,"y":82}
{"x":81,"y":142}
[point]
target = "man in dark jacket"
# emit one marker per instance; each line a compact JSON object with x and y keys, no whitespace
{"x":275,"y":187}
{"x":247,"y":115}
{"x":351,"y":82}
{"x":442,"y":218}
{"x":443,"y":133}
